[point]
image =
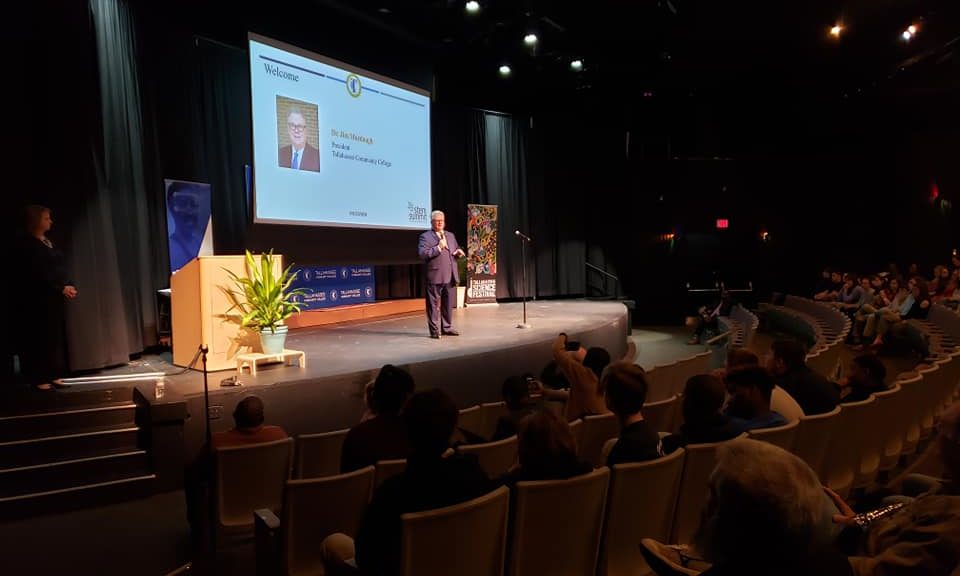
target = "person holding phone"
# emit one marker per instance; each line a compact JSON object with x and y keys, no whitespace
{"x":582,"y":369}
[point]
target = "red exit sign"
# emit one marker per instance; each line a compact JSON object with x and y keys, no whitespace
{"x":722,"y":223}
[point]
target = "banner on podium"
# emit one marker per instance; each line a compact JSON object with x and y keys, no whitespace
{"x":330,"y":286}
{"x":481,"y":253}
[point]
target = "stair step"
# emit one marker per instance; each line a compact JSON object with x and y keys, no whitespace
{"x":48,"y":449}
{"x":19,"y":401}
{"x":83,"y":496}
{"x":40,"y":424}
{"x":75,"y":472}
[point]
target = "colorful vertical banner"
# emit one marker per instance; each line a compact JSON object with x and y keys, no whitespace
{"x":481,"y":253}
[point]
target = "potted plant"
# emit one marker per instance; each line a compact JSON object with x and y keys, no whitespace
{"x":265,"y":300}
{"x":462,"y":286}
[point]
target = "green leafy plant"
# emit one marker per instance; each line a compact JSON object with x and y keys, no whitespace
{"x":263,"y":298}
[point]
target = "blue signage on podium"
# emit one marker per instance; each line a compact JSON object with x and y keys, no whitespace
{"x":329,"y":286}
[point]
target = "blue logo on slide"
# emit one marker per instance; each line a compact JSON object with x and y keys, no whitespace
{"x":334,"y":295}
{"x":368,"y":291}
{"x":353,"y":85}
{"x":344,"y":273}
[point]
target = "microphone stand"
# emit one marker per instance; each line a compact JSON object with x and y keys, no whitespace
{"x":523,"y":258}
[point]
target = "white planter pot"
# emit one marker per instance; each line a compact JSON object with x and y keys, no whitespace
{"x":461,"y":296}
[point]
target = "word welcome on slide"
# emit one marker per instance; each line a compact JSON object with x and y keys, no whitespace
{"x":335,"y":145}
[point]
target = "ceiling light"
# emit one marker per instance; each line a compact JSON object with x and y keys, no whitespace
{"x":836,"y":30}
{"x":530,"y":39}
{"x":505,"y":70}
{"x":907,"y":35}
{"x":576,"y":65}
{"x":912,"y":29}
{"x":472,"y":7}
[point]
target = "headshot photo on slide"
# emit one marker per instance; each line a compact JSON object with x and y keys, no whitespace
{"x":298,"y":132}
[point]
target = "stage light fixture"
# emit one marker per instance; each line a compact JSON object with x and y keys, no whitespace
{"x":530,"y":39}
{"x":836,"y":30}
{"x":472,"y":7}
{"x":576,"y":65}
{"x":912,"y":29}
{"x":907,"y":35}
{"x":505,"y":70}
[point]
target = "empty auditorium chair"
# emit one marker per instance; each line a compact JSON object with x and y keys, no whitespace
{"x":887,"y":438}
{"x":926,"y":400}
{"x":264,"y":470}
{"x":843,"y":463}
{"x":491,"y":412}
{"x":467,"y":539}
{"x":388,"y":469}
{"x":639,"y":505}
{"x":814,"y":437}
{"x":495,"y":457}
{"x":597,"y":429}
{"x":783,"y":436}
{"x":312,"y":510}
{"x":471,"y":420}
{"x":660,"y":415}
{"x":911,"y":397}
{"x":659,"y":386}
{"x":318,"y":455}
{"x":557,"y":525}
{"x":698,"y":464}
{"x":576,"y":428}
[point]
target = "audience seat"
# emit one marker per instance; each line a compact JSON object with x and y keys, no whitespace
{"x":597,"y":429}
{"x":388,"y":469}
{"x":783,"y":436}
{"x":886,"y":440}
{"x":471,"y":420}
{"x":846,"y":445}
{"x":814,"y":440}
{"x":318,"y":455}
{"x":557,"y":524}
{"x":495,"y":457}
{"x":491,"y":412}
{"x":248,"y":478}
{"x":467,"y":539}
{"x":640,"y":505}
{"x":312,"y":510}
{"x":911,"y":397}
{"x":660,"y":415}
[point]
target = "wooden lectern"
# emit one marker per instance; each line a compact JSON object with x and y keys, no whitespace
{"x":199,"y":312}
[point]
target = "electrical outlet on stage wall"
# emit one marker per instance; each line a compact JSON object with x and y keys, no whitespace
{"x":215,"y":412}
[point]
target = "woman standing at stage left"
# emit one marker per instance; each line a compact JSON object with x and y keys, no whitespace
{"x":46,"y":288}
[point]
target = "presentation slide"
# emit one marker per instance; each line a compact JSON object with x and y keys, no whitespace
{"x":335,"y":145}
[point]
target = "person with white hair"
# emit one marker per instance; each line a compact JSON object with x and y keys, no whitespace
{"x":438,"y":248}
{"x":766,"y":514}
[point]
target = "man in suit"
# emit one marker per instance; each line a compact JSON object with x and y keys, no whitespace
{"x":439,"y":249}
{"x":299,"y":154}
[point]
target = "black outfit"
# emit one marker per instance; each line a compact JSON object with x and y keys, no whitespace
{"x":814,"y":393}
{"x":507,"y":425}
{"x":636,"y":443}
{"x":709,"y":321}
{"x":425,"y":485}
{"x":716,"y":429}
{"x":42,"y":346}
{"x":382,"y":437}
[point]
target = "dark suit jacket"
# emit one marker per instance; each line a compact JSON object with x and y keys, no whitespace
{"x":310,"y":160}
{"x":441,"y":265}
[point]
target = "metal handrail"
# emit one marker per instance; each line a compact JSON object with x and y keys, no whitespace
{"x":601,"y":270}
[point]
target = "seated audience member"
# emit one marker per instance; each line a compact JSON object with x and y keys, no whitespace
{"x":916,"y":536}
{"x":949,"y":293}
{"x":916,"y":305}
{"x":582,"y":369}
{"x":780,"y":400}
{"x":383,"y":436}
{"x":749,"y":406}
{"x":516,"y":395}
{"x":248,"y":429}
{"x":547,"y":451}
{"x":625,"y":386}
{"x":430,"y":481}
{"x":851,"y":296}
{"x":829,"y":292}
{"x":814,"y":393}
{"x":248,"y":426}
{"x":703,"y":422}
{"x":707,"y":317}
{"x":765,"y":515}
{"x":865,"y":375}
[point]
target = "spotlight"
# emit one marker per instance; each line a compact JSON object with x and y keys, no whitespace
{"x":505,"y":70}
{"x":836,"y":30}
{"x":907,"y":35}
{"x":472,"y":7}
{"x":912,"y":29}
{"x":530,"y":39}
{"x":576,"y":65}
